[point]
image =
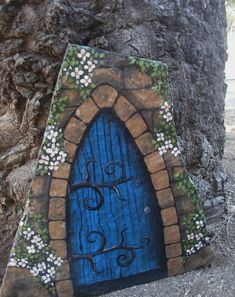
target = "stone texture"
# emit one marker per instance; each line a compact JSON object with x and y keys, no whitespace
{"x":73,"y":97}
{"x":183,"y":204}
{"x":74,"y":130}
{"x":175,"y":266}
{"x":173,"y":250}
{"x":154,"y":162}
{"x":63,"y":171}
{"x":87,"y":111}
{"x":160,"y":180}
{"x":171,"y":234}
{"x":57,"y":229}
{"x":144,"y":143}
{"x":58,"y":188}
{"x":24,"y":284}
{"x":202,"y":258}
{"x":169,"y":216}
{"x":112,"y":76}
{"x":64,"y":271}
{"x":136,"y":125}
{"x":65,"y":288}
{"x":57,"y":210}
{"x":165,"y":198}
{"x":144,"y":98}
{"x":124,"y":109}
{"x":70,"y":149}
{"x":104,"y":96}
{"x":40,"y":186}
{"x":60,"y":247}
{"x":135,"y":79}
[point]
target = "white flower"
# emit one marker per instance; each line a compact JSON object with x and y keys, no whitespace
{"x":165,"y":108}
{"x":31,"y":249}
{"x":168,"y":116}
{"x":160,"y":136}
{"x":28,"y":233}
{"x":81,"y":53}
{"x":175,"y":151}
{"x":199,"y":224}
{"x":190,"y":236}
{"x":207,"y":239}
{"x":162,"y":150}
{"x":168,"y":144}
{"x":85,"y":81}
{"x":22,"y":262}
{"x":89,"y":66}
{"x":12,"y":262}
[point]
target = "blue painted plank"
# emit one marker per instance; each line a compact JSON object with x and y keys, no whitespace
{"x":127,"y":215}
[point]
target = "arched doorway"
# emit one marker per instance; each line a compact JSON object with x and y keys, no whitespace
{"x":115,"y":230}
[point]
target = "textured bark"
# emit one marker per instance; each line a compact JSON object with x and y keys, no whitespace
{"x":188,"y":35}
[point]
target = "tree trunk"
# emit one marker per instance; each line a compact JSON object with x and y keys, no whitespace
{"x":188,"y":35}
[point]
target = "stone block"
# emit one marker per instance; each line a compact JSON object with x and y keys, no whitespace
{"x":144,"y":98}
{"x":57,"y":229}
{"x":134,"y":79}
{"x":136,"y":125}
{"x":64,"y":271}
{"x":173,"y":250}
{"x":144,"y":143}
{"x":20,"y":282}
{"x":169,"y":216}
{"x":165,"y":198}
{"x":154,"y":162}
{"x":57,"y":210}
{"x":124,"y":109}
{"x":70,"y":149}
{"x":203,"y":257}
{"x":171,"y":234}
{"x":65,"y":288}
{"x":104,"y":96}
{"x":40,"y":186}
{"x":160,"y":180}
{"x":74,"y":98}
{"x":107,"y":75}
{"x":74,"y":130}
{"x":175,"y":266}
{"x":60,"y":247}
{"x":58,"y":187}
{"x":183,"y":204}
{"x":87,"y":111}
{"x":63,"y":171}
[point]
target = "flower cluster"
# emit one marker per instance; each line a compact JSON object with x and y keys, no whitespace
{"x":165,"y":111}
{"x":196,"y":235}
{"x":165,"y":144}
{"x":34,"y":254}
{"x":52,"y":153}
{"x":165,"y":134}
{"x":82,"y":72}
{"x":79,"y":66}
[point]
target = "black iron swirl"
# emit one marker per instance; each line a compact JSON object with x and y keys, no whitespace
{"x":92,"y":203}
{"x":123,"y":260}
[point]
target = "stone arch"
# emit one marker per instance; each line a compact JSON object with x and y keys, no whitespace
{"x":103,"y":97}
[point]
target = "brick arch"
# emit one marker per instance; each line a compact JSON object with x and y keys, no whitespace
{"x":103,"y":97}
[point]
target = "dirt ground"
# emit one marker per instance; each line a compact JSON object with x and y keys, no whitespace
{"x":218,"y":280}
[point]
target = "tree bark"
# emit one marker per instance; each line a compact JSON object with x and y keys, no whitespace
{"x":188,"y":35}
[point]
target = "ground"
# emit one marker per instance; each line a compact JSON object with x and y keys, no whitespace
{"x":218,"y":280}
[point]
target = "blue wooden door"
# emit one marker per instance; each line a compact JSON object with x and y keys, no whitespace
{"x":115,"y":230}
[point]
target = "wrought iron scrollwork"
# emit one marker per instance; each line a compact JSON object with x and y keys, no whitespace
{"x":123,"y":260}
{"x":92,"y":203}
